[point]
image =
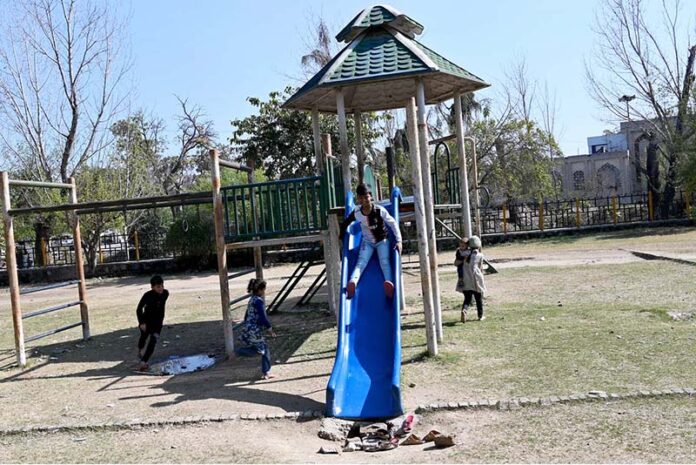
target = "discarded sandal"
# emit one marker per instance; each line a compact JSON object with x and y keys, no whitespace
{"x":431,"y":435}
{"x":443,"y":441}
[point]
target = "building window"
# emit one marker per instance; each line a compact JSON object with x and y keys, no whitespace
{"x":609,"y":179}
{"x":579,"y":180}
{"x":600,"y":148}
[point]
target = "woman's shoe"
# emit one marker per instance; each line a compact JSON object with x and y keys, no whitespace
{"x":463,"y":317}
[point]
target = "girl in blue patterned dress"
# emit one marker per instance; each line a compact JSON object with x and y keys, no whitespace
{"x":255,"y":324}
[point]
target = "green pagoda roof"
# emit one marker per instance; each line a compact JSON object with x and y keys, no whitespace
{"x":376,"y":69}
{"x":379,"y":15}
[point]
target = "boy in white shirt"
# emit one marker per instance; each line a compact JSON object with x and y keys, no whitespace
{"x":374,"y":221}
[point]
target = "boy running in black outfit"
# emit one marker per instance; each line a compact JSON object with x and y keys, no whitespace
{"x":150,"y":314}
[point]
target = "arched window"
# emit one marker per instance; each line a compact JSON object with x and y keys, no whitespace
{"x":579,"y":180}
{"x":608,"y":179}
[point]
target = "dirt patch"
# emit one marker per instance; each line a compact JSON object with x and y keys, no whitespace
{"x":623,"y":432}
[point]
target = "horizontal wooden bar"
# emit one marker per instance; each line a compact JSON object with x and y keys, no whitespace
{"x":239,"y":299}
{"x":51,"y":309}
{"x":46,"y":184}
{"x":121,"y":204}
{"x":235,"y":166}
{"x":31,"y":290}
{"x":274,"y":241}
{"x":53,"y":331}
{"x":240,"y":273}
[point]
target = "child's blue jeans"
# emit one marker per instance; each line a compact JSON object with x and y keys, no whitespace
{"x":366,"y":251}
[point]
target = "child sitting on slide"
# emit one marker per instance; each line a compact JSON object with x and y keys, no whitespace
{"x":374,"y":221}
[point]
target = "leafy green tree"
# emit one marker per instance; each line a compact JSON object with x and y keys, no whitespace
{"x":281,"y":140}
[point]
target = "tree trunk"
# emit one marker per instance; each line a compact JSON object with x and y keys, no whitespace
{"x":42,"y":235}
{"x":653,"y":169}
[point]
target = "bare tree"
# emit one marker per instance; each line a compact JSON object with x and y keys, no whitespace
{"x":195,"y":134}
{"x":61,"y":64}
{"x":655,"y":62}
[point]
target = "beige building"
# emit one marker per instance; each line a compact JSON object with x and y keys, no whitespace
{"x":609,"y":167}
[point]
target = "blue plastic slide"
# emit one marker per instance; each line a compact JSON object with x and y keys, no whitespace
{"x":365,"y":381}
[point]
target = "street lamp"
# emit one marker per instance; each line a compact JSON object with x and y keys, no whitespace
{"x":627,"y":99}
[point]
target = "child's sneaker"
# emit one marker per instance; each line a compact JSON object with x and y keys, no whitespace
{"x":389,"y":289}
{"x":350,"y":290}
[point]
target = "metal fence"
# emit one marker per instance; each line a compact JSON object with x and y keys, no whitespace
{"x":573,"y":213}
{"x":113,"y":248}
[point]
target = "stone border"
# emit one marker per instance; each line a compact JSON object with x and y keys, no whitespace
{"x":184,"y":421}
{"x":513,"y":403}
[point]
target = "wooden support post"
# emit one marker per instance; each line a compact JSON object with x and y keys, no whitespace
{"x":615,"y":209}
{"x":13,"y":277}
{"x":505,"y":219}
{"x":343,"y":136}
{"x":332,"y":249}
{"x":359,"y":148}
{"x":316,"y":136}
{"x":258,"y":262}
{"x":258,"y":254}
{"x":463,"y":170}
{"x":80,"y":264}
{"x":650,"y":205}
{"x":221,"y":254}
{"x":326,"y":145}
{"x":136,"y":239}
{"x":421,"y":227}
{"x":577,"y":213}
{"x":541,"y":214}
{"x":429,"y":207}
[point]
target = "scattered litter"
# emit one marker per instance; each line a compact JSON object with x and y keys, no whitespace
{"x":110,"y":405}
{"x":542,"y":319}
{"x":619,"y":337}
{"x":124,"y":337}
{"x":412,"y":385}
{"x":80,"y":346}
{"x":680,"y":316}
{"x":53,"y":358}
{"x":176,"y":365}
{"x":79,"y":439}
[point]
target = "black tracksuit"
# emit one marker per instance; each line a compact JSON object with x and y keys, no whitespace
{"x":150,"y":311}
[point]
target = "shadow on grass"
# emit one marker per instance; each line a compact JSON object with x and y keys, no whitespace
{"x":236,"y":380}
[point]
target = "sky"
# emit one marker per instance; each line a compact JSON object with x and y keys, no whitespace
{"x":216,"y":53}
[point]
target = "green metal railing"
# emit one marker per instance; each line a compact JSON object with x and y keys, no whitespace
{"x":289,"y":207}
